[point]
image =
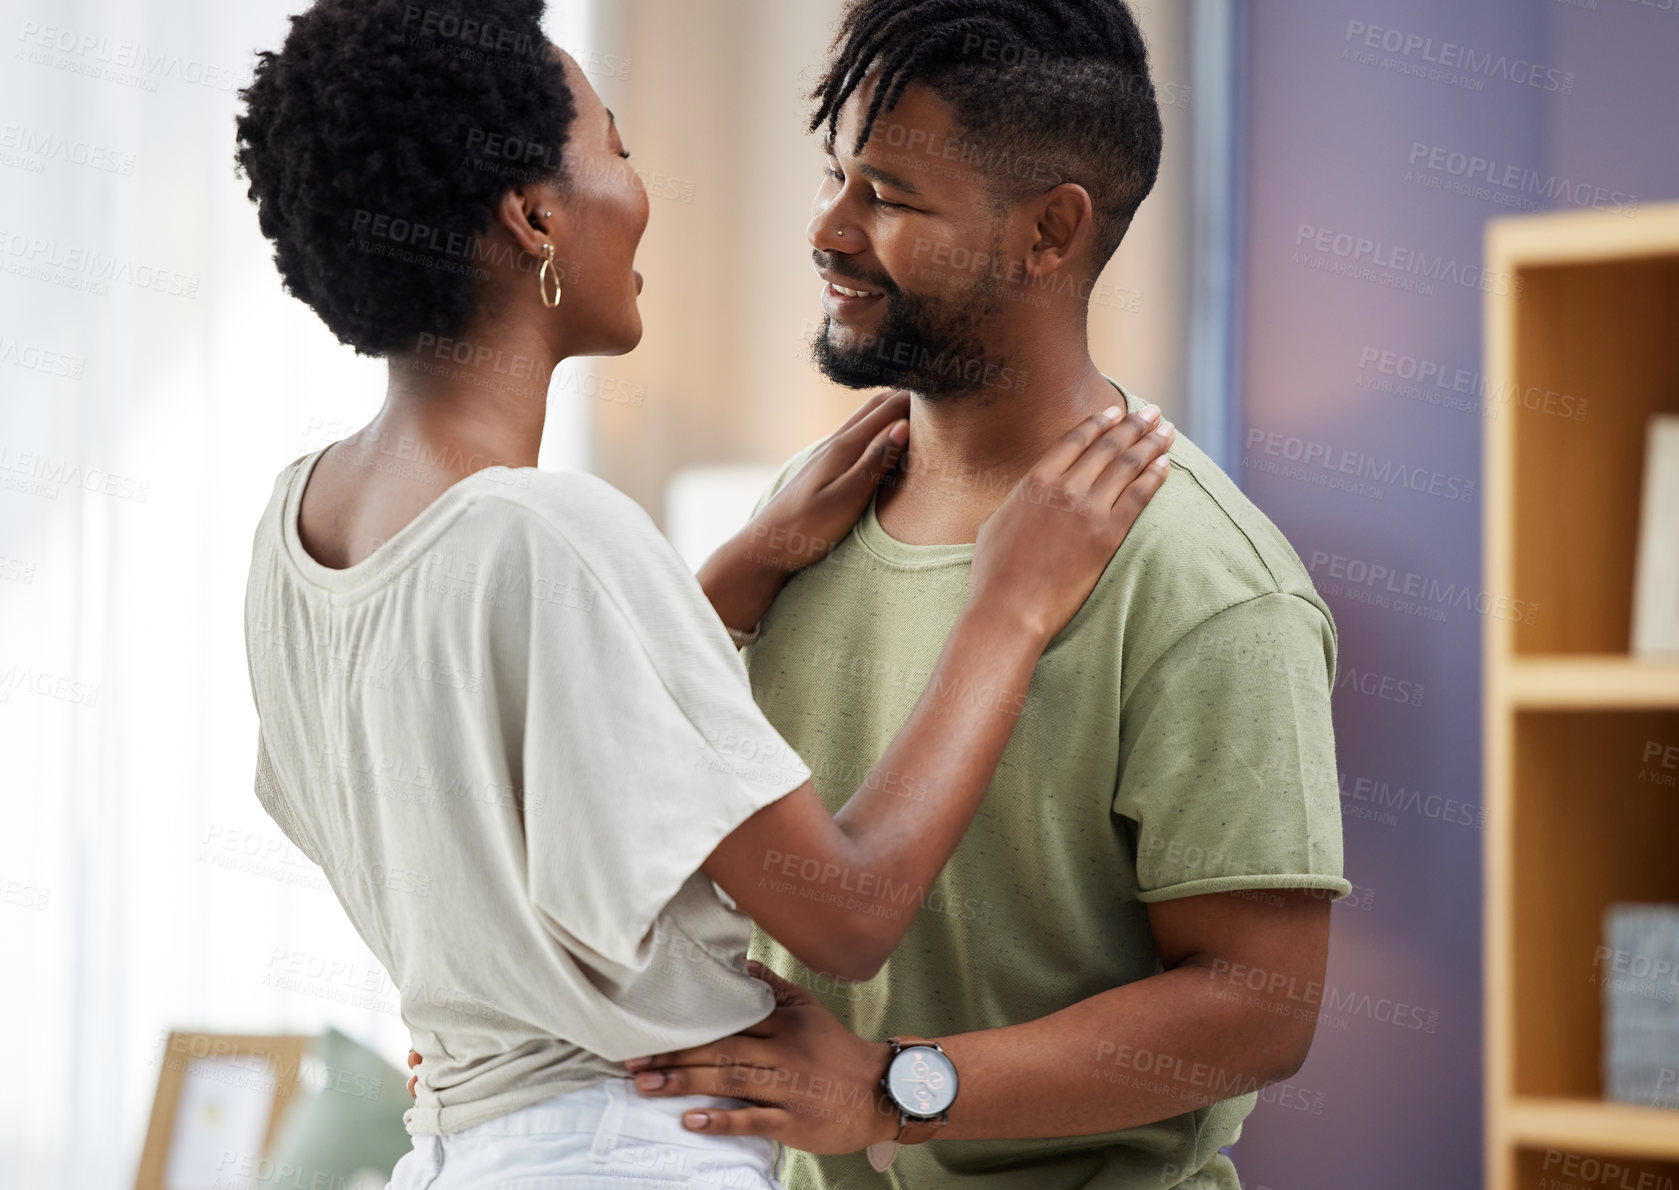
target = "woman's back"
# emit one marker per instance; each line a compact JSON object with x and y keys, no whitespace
{"x":509,"y":737}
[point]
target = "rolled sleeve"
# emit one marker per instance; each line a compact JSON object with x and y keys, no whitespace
{"x":1228,"y":756}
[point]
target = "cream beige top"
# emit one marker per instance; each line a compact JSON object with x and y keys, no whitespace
{"x":510,"y":737}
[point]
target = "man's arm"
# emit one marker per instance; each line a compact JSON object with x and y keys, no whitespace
{"x":1234,"y":1011}
{"x":1227,"y":770}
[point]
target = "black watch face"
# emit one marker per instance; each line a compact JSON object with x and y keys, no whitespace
{"x":922,"y":1081}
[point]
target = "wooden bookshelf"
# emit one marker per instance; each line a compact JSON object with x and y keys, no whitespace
{"x":1576,"y":821}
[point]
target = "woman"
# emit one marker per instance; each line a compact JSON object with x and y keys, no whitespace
{"x":495,"y":706}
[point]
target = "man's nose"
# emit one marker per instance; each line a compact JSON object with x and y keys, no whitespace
{"x":829,"y":232}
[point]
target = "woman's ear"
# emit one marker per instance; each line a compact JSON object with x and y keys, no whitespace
{"x":523,"y":216}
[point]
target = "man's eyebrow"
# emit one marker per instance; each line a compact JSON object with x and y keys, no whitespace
{"x":888,"y":179}
{"x":874,"y":172}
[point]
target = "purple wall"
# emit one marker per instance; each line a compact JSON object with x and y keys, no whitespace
{"x":1359,"y":379}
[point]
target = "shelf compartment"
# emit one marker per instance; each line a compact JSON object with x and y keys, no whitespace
{"x":1601,"y":332}
{"x":1593,"y":823}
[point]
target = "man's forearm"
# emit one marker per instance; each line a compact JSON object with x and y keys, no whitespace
{"x":1143,"y":1052}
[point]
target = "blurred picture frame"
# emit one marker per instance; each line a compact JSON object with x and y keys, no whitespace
{"x":219,"y":1102}
{"x":1655,"y":612}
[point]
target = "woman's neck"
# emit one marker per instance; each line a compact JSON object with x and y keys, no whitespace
{"x":468,"y":403}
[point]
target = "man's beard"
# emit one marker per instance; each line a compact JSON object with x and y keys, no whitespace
{"x":929,"y":346}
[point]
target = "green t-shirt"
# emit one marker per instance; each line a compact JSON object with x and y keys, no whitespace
{"x":1175,"y":740}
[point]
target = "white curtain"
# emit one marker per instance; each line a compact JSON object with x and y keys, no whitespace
{"x":153,"y":379}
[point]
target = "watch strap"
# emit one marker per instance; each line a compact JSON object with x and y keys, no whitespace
{"x":915,"y":1132}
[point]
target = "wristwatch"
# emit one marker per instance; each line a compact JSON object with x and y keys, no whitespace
{"x":920,"y":1081}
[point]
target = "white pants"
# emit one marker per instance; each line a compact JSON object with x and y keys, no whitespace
{"x":605,"y":1136}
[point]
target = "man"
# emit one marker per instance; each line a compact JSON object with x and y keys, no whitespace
{"x":1132,"y":938}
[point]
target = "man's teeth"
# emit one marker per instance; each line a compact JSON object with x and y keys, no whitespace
{"x":853,"y":292}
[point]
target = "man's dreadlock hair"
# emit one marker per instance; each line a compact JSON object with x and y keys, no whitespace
{"x":1045,"y":91}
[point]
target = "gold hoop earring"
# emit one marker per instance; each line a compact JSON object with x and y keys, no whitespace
{"x":542,"y":277}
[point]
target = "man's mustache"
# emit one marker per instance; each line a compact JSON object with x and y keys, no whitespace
{"x":828,"y":262}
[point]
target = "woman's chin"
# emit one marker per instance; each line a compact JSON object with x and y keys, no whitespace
{"x":618,"y":344}
{"x":631,"y":339}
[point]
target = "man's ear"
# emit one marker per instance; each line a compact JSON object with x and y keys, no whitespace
{"x":1063,"y":224}
{"x":531,"y":218}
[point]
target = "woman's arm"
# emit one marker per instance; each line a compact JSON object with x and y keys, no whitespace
{"x":841,"y":891}
{"x":808,"y":516}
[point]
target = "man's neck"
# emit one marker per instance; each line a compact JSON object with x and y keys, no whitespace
{"x":968,"y":450}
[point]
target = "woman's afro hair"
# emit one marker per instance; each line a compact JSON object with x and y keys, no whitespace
{"x":377,"y":144}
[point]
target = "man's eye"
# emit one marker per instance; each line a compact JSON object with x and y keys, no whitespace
{"x":881,"y":202}
{"x":625,"y":154}
{"x":834,"y":174}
